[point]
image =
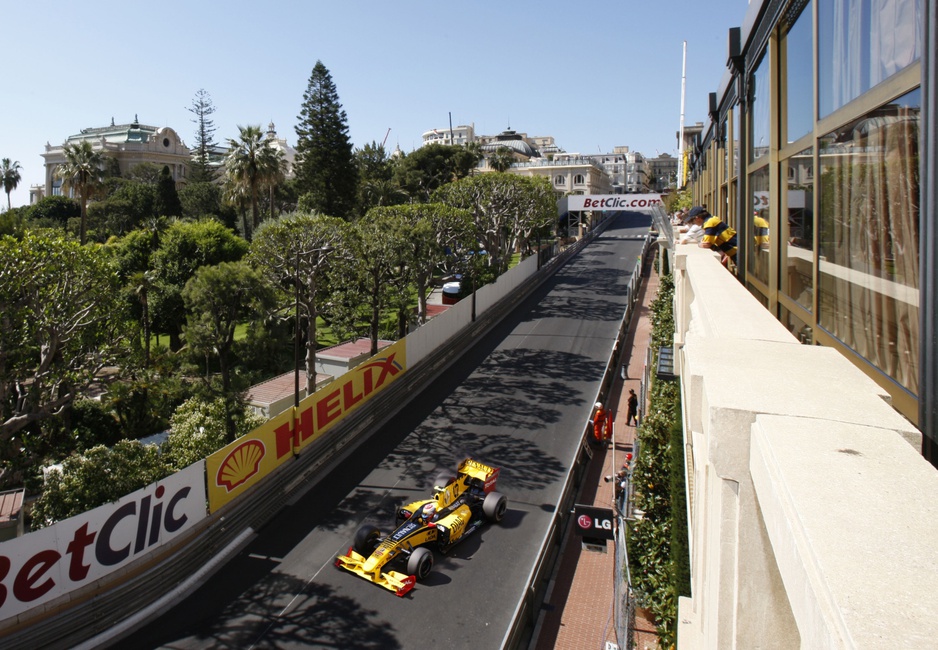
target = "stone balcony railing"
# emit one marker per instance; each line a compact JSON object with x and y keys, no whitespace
{"x":813,"y":517}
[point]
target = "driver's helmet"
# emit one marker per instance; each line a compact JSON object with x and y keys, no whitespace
{"x":428,"y":512}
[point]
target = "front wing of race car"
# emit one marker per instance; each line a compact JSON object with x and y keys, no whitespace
{"x":395,"y":581}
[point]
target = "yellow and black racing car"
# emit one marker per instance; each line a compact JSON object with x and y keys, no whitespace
{"x":459,"y":505}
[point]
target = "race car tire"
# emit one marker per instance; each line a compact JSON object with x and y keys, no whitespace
{"x":443,"y":479}
{"x":367,"y":539}
{"x":420,"y":562}
{"x":494,"y":506}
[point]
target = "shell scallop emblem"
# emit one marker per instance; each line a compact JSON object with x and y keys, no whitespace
{"x":240,"y":465}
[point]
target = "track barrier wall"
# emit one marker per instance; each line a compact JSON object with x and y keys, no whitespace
{"x":93,"y":607}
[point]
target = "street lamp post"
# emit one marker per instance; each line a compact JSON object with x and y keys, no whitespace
{"x":296,"y":335}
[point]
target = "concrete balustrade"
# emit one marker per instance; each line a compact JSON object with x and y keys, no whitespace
{"x":813,"y":518}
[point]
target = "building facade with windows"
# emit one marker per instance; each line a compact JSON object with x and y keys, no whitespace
{"x":808,"y":369}
{"x":568,"y":174}
{"x":463,"y":134}
{"x":817,"y":128}
{"x":128,"y":144}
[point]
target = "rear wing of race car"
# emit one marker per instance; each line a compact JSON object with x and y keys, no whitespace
{"x":475,"y":469}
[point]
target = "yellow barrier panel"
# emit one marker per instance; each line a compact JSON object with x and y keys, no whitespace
{"x":236,"y":467}
{"x":326,"y":407}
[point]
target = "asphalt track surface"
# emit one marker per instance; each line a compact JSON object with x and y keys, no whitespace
{"x":519,"y":400}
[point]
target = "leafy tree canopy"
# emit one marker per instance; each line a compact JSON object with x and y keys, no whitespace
{"x":183,"y":248}
{"x":100,"y":475}
{"x":432,"y":166}
{"x":506,"y":209}
{"x":197,"y":430}
{"x":218,"y":299}
{"x":53,"y":211}
{"x":62,"y":323}
{"x":295,"y":252}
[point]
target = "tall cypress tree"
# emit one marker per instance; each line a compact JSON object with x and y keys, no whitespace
{"x":200,"y":169}
{"x":167,"y":199}
{"x":326,"y":174}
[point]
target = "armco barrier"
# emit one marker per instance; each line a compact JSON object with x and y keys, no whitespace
{"x":95,"y":612}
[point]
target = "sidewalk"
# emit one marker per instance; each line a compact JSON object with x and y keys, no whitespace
{"x":579,"y":610}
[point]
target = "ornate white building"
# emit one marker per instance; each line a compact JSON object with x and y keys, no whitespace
{"x":128,"y":144}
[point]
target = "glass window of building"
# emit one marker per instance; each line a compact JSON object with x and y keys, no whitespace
{"x":757,"y":245}
{"x":760,"y":107}
{"x":868,"y":215}
{"x":724,"y":132}
{"x":736,"y":132}
{"x":797,"y":230}
{"x":865,"y":42}
{"x":796,"y":54}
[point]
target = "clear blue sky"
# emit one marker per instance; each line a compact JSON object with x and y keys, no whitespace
{"x":593,"y":74}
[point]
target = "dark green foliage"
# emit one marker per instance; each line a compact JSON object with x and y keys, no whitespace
{"x":217,"y":299}
{"x":185,"y":247}
{"x":204,"y":200}
{"x":167,"y":200}
{"x":129,"y":204}
{"x":429,"y":167}
{"x":325,"y":167}
{"x":13,"y":222}
{"x":144,"y":172}
{"x":680,"y":553}
{"x":53,"y":212}
{"x":376,"y":184}
{"x":657,"y":543}
{"x":144,"y":402}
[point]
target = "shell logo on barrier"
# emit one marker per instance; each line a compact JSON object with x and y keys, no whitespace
{"x":241,"y":464}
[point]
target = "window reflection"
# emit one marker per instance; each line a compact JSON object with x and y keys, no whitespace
{"x":758,"y":243}
{"x":866,"y":41}
{"x":796,"y":51}
{"x":798,"y":230}
{"x":868,"y":237}
{"x":760,"y":99}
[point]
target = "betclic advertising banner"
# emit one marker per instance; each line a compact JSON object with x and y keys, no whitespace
{"x":77,"y":551}
{"x":602,"y":202}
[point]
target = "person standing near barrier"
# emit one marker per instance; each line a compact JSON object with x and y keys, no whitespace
{"x":599,"y":423}
{"x":633,"y":409}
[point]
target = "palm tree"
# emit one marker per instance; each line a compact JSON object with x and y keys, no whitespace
{"x":501,"y":159}
{"x":274,"y":164}
{"x":81,"y":173}
{"x":251,"y":163}
{"x":11,"y":177}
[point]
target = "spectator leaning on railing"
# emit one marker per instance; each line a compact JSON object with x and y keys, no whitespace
{"x":716,"y":234}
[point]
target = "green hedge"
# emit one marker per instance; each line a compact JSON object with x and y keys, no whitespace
{"x":657,"y":543}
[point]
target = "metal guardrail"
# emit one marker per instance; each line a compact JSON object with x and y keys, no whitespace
{"x":65,"y":623}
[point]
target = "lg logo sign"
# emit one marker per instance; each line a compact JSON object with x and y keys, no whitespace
{"x":594,"y":522}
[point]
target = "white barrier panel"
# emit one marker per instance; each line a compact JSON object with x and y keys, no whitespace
{"x":490,"y":294}
{"x":427,"y":338}
{"x":53,"y":561}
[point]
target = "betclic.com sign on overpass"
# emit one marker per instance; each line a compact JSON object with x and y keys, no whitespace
{"x":603,"y":202}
